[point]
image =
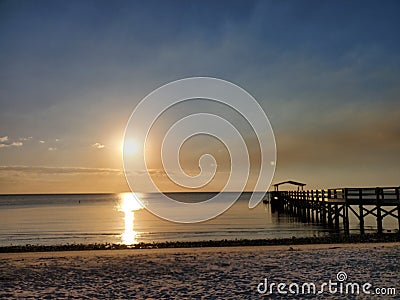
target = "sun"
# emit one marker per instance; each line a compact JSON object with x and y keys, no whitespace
{"x":130,"y":147}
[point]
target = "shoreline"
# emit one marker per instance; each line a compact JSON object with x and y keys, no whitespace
{"x":272,"y":249}
{"x":326,"y":240}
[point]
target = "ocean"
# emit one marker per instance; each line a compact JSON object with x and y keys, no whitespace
{"x":114,"y":218}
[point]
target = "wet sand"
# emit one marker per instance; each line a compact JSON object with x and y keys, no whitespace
{"x":212,"y":273}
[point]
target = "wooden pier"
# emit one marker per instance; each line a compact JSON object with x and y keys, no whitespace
{"x":332,"y":207}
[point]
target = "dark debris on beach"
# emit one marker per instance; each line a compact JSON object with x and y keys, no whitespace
{"x":332,"y":239}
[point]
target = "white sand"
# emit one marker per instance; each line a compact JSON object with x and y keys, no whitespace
{"x":212,"y":273}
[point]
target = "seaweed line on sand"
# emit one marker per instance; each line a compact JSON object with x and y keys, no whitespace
{"x":331,"y":239}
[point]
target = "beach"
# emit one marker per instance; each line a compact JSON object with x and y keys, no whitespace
{"x":197,"y":273}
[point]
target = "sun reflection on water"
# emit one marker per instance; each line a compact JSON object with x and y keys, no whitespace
{"x":129,"y":203}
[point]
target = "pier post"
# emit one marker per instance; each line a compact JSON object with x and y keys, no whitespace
{"x":311,"y":213}
{"x":378,"y":211}
{"x":303,"y":208}
{"x":323,"y":207}
{"x":317,"y":207}
{"x":337,"y":217}
{"x":309,"y":209}
{"x":361,"y":212}
{"x":311,"y":205}
{"x":361,"y":218}
{"x":330,"y":220}
{"x":346,"y":213}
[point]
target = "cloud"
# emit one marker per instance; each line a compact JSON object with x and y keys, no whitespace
{"x":98,"y":146}
{"x":152,"y":172}
{"x":27,"y":170}
{"x":26,"y":138}
{"x":52,"y":148}
{"x":42,"y":142}
{"x":13,"y":144}
{"x":5,"y":143}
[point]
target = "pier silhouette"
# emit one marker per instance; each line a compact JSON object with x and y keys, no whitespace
{"x":331,"y":207}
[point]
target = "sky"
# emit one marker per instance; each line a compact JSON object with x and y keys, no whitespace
{"x":327,"y":74}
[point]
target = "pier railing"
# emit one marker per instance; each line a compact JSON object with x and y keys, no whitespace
{"x":386,"y":195}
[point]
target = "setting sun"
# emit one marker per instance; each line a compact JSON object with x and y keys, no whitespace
{"x":130,"y":147}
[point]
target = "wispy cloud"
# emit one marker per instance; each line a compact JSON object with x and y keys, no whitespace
{"x":52,"y":149}
{"x":58,"y":170}
{"x":44,"y":179}
{"x":98,"y":146}
{"x":42,"y":142}
{"x":152,"y":172}
{"x":26,"y":138}
{"x":3,"y":139}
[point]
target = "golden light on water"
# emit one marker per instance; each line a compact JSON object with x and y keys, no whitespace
{"x":129,"y":204}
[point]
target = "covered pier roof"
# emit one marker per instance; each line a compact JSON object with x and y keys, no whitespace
{"x":299,"y":184}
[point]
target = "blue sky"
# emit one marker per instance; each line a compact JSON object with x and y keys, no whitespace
{"x":326,"y":73}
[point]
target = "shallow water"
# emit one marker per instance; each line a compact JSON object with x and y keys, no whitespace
{"x":114,"y":218}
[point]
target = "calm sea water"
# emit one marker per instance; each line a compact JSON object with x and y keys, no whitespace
{"x":116,"y":218}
